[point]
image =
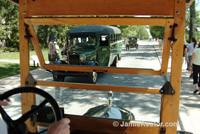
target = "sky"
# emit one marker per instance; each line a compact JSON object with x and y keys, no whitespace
{"x":198,"y":5}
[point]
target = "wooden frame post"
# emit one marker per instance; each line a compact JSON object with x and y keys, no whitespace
{"x":27,"y":99}
{"x":170,"y":103}
{"x":166,"y":47}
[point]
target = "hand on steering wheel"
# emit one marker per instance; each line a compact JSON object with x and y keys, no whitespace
{"x":18,"y":126}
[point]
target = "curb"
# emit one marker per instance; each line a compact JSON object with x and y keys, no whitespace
{"x":184,"y":120}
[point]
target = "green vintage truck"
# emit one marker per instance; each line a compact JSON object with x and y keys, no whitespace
{"x":132,"y":42}
{"x":91,"y":45}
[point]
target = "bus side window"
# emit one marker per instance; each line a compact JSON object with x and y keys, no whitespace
{"x":112,"y":38}
{"x":104,"y":40}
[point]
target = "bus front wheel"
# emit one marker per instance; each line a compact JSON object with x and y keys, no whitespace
{"x":114,"y":64}
{"x":57,"y":77}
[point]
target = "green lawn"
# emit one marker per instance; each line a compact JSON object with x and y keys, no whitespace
{"x":1,"y":51}
{"x":9,"y":69}
{"x":15,"y":55}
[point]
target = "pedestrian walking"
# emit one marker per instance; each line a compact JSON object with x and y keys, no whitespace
{"x":57,"y":51}
{"x":195,"y":66}
{"x":184,"y":55}
{"x":190,"y":49}
{"x":52,"y":51}
{"x":125,"y":42}
{"x":64,"y":52}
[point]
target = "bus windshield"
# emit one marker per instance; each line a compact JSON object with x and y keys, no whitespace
{"x":83,"y":41}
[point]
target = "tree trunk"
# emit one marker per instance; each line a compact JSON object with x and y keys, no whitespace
{"x":47,"y":29}
{"x":192,"y":21}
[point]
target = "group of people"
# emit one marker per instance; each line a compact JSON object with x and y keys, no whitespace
{"x":192,"y":57}
{"x":53,"y":53}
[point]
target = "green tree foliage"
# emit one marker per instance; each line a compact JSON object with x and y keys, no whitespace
{"x":196,"y":25}
{"x":142,"y":32}
{"x":44,"y":32}
{"x":157,"y":31}
{"x":9,"y":28}
{"x":139,"y":31}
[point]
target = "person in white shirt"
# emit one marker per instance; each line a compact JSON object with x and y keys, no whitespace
{"x":52,"y":50}
{"x":190,"y":49}
{"x":195,"y":66}
{"x":57,"y":51}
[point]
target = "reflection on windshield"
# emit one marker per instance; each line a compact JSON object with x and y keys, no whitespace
{"x":83,"y":41}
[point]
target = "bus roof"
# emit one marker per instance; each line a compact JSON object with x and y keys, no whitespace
{"x":97,"y":29}
{"x":132,"y":36}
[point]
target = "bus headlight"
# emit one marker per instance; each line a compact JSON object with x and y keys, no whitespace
{"x":82,"y":58}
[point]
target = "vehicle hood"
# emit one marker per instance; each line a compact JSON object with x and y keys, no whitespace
{"x":83,"y":50}
{"x":110,"y":112}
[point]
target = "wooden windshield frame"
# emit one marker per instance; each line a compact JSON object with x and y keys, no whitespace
{"x":31,"y":12}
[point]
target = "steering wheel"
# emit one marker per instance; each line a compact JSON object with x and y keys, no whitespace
{"x":18,"y":126}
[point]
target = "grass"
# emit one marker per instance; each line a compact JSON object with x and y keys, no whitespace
{"x":1,"y":51}
{"x":10,"y":69}
{"x":15,"y":55}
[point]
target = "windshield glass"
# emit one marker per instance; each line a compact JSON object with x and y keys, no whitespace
{"x":133,"y":38}
{"x":83,"y":41}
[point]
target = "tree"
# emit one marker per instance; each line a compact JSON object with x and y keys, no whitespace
{"x":142,"y":32}
{"x":139,"y":31}
{"x":196,"y":25}
{"x":44,"y":32}
{"x":9,"y":24}
{"x":192,"y":21}
{"x":157,"y":31}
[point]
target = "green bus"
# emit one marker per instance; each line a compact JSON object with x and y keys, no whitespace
{"x":92,"y":45}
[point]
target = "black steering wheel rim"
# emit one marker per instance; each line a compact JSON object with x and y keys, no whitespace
{"x":48,"y":98}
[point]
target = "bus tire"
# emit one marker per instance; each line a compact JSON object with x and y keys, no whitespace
{"x":119,"y":56}
{"x":58,"y":77}
{"x":136,"y":46}
{"x":114,"y":64}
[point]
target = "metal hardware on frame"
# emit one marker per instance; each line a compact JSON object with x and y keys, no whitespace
{"x":162,"y":130}
{"x":173,"y":27}
{"x":30,"y":80}
{"x":28,"y":35}
{"x":167,"y":89}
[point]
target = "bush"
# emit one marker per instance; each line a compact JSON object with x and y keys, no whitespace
{"x":10,"y":49}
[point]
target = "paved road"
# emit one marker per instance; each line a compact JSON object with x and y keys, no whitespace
{"x":145,"y":107}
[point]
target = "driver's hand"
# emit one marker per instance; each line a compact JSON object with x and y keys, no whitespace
{"x":60,"y":127}
{"x":4,"y":103}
